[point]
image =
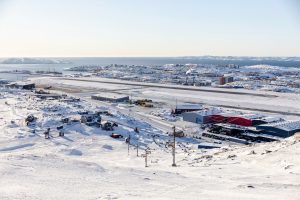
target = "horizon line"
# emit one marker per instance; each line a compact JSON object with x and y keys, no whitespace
{"x":148,"y":56}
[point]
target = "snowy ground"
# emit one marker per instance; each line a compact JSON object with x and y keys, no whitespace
{"x":88,"y":164}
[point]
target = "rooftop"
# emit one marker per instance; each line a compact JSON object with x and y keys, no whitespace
{"x":286,"y":125}
{"x":110,"y":95}
{"x":207,"y":112}
{"x":189,"y":106}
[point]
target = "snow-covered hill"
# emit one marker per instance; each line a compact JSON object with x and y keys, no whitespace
{"x":88,"y":164}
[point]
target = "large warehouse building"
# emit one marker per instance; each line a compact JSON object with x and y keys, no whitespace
{"x":22,"y":85}
{"x":216,"y":115}
{"x":281,"y":129}
{"x":110,"y":97}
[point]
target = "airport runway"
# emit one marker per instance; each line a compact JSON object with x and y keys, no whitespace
{"x":241,"y":100}
{"x":120,"y":82}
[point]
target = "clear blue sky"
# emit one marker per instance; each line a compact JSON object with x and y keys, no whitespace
{"x":149,"y":27}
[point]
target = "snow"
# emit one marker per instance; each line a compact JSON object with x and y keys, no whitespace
{"x":189,"y":106}
{"x":88,"y":164}
{"x":165,"y":114}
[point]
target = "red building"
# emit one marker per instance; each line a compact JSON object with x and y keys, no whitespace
{"x":223,"y":118}
{"x":239,"y":121}
{"x":219,"y":118}
{"x":222,"y":80}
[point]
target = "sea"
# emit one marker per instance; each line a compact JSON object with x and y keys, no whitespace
{"x":147,"y":61}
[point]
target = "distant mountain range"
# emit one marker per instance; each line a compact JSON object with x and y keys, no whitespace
{"x":243,"y":58}
{"x":33,"y":61}
{"x":214,"y":60}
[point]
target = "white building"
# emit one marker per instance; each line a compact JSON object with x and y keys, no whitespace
{"x":200,"y":117}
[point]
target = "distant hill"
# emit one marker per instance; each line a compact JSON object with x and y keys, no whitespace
{"x":33,"y":61}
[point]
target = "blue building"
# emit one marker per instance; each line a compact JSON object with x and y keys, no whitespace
{"x":281,"y":129}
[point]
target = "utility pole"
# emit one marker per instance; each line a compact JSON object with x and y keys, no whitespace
{"x":147,"y":151}
{"x":173,"y":146}
{"x":128,"y":142}
{"x":137,"y":142}
{"x":146,"y":158}
{"x":137,"y":148}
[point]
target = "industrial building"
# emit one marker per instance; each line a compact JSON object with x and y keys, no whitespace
{"x":225,"y":79}
{"x":22,"y":85}
{"x":216,"y":115}
{"x":201,"y":117}
{"x":248,"y":127}
{"x":233,"y":118}
{"x":249,"y":134}
{"x":179,"y":109}
{"x":265,"y":120}
{"x":111,"y":97}
{"x":281,"y":129}
{"x":48,"y":96}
